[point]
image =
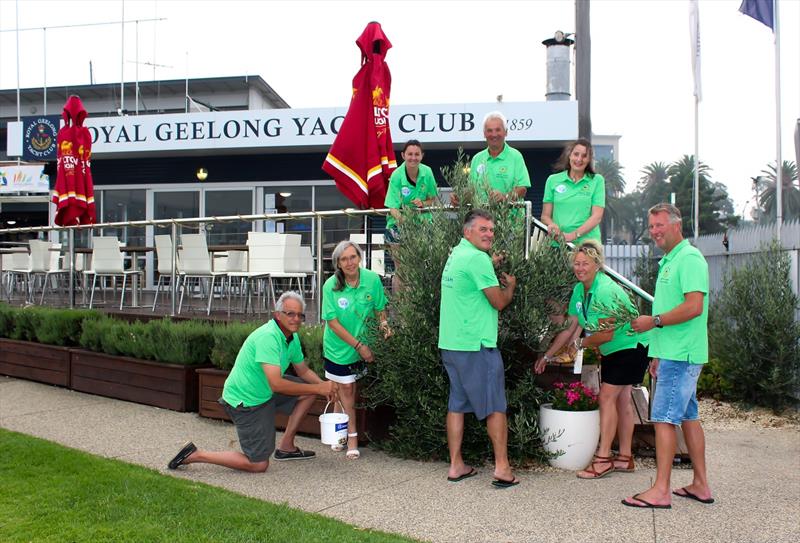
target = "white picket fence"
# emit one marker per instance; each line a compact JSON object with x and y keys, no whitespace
{"x":743,"y":244}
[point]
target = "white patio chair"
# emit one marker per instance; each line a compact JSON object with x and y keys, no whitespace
{"x":195,"y":263}
{"x":164,"y":255}
{"x":108,"y":261}
{"x":55,"y":269}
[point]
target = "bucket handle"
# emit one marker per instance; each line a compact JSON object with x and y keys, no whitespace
{"x":324,"y":411}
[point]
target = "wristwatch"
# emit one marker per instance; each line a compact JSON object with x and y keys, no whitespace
{"x":657,"y":321}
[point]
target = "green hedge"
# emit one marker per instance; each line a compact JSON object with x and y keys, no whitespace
{"x":46,"y":325}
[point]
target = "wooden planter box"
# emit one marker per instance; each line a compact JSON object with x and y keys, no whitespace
{"x":372,"y":422}
{"x":210,"y":383}
{"x":169,"y":386}
{"x":35,"y":362}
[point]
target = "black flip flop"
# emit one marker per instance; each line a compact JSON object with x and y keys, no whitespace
{"x":504,"y":483}
{"x":643,"y":504}
{"x":471,"y":473}
{"x":692,"y":496}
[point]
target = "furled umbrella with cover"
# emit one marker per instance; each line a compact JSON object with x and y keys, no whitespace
{"x":74,"y":189}
{"x":361,"y":159}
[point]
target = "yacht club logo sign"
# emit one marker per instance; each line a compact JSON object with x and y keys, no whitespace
{"x":39,"y":137}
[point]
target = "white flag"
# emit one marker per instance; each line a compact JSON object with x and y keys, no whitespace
{"x":694,"y":31}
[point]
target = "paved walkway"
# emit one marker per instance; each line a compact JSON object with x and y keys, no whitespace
{"x":755,"y":474}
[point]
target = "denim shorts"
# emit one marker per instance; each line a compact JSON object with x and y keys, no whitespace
{"x":675,"y":398}
{"x":477,"y":381}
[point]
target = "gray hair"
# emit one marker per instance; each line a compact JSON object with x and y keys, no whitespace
{"x":592,"y":249}
{"x":671,"y":210}
{"x":495,"y":115}
{"x":289,"y":295}
{"x":337,"y":254}
{"x":476,"y":214}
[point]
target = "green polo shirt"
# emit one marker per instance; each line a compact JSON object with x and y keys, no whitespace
{"x":504,"y":172}
{"x":467,"y":321}
{"x":587,"y":307}
{"x":401,"y":191}
{"x":247,"y":383}
{"x":352,"y":307}
{"x":682,"y":270}
{"x":572,"y":202}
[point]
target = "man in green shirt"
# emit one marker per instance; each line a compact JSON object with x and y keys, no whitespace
{"x":499,"y":166}
{"x":471,"y":298}
{"x":679,"y":348}
{"x":257,"y":386}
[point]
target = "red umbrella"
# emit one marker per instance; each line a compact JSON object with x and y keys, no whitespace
{"x":361,"y":158}
{"x":74,"y":190}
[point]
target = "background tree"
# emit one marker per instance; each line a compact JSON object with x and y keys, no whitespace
{"x":716,"y":209}
{"x":611,"y":171}
{"x":790,"y":196}
{"x":654,"y":184}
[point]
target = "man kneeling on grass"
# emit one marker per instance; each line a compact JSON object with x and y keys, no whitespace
{"x":257,"y":386}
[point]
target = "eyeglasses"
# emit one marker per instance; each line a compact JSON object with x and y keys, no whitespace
{"x":293,"y":315}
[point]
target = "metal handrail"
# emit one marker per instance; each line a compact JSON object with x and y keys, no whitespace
{"x":530,"y":223}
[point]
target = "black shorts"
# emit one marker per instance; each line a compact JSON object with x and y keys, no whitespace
{"x":625,"y":367}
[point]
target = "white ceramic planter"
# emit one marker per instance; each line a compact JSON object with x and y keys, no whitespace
{"x":578,"y":442}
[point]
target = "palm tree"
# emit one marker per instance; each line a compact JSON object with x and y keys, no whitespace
{"x":715,"y":206}
{"x":790,"y":194}
{"x":653,"y":182}
{"x":611,"y":171}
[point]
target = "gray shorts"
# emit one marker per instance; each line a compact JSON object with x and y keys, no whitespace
{"x":255,"y":425}
{"x":477,"y":381}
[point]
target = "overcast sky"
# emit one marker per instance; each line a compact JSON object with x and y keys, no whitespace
{"x":453,"y":52}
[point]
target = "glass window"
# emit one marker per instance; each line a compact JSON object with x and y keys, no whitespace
{"x":226,"y":203}
{"x":294,"y":199}
{"x":177,"y":205}
{"x":124,"y":206}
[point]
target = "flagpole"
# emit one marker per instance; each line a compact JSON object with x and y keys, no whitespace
{"x":778,"y":159}
{"x":694,"y":31}
{"x":696,"y":169}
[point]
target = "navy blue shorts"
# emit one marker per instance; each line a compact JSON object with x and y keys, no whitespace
{"x":477,"y":381}
{"x":344,"y":373}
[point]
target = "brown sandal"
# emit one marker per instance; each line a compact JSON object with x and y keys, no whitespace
{"x":630,"y":468}
{"x":594,"y":473}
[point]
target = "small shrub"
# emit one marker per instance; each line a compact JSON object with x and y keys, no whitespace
{"x":311,"y":340}
{"x":228,"y":339}
{"x":712,"y":382}
{"x":753,"y":331}
{"x":188,"y":342}
{"x":61,"y":326}
{"x":7,"y":314}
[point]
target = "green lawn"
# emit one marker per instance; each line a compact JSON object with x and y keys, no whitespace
{"x":52,"y":493}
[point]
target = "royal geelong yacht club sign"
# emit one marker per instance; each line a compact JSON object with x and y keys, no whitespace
{"x":454,"y":123}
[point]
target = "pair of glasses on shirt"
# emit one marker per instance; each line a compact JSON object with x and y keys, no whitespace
{"x":293,"y":315}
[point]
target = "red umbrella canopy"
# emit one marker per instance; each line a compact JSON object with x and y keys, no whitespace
{"x":74,"y":190}
{"x":361,"y":159}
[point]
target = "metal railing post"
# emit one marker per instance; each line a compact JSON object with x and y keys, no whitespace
{"x":528,"y":217}
{"x":319,"y":269}
{"x":173,"y":274}
{"x":71,"y":248}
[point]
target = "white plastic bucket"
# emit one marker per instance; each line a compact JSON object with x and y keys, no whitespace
{"x":333,"y":427}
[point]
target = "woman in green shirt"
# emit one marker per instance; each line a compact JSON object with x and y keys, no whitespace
{"x":351,"y":298}
{"x":623,"y":359}
{"x":575,"y":197}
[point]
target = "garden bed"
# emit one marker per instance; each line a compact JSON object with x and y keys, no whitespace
{"x":35,"y":362}
{"x":169,"y":386}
